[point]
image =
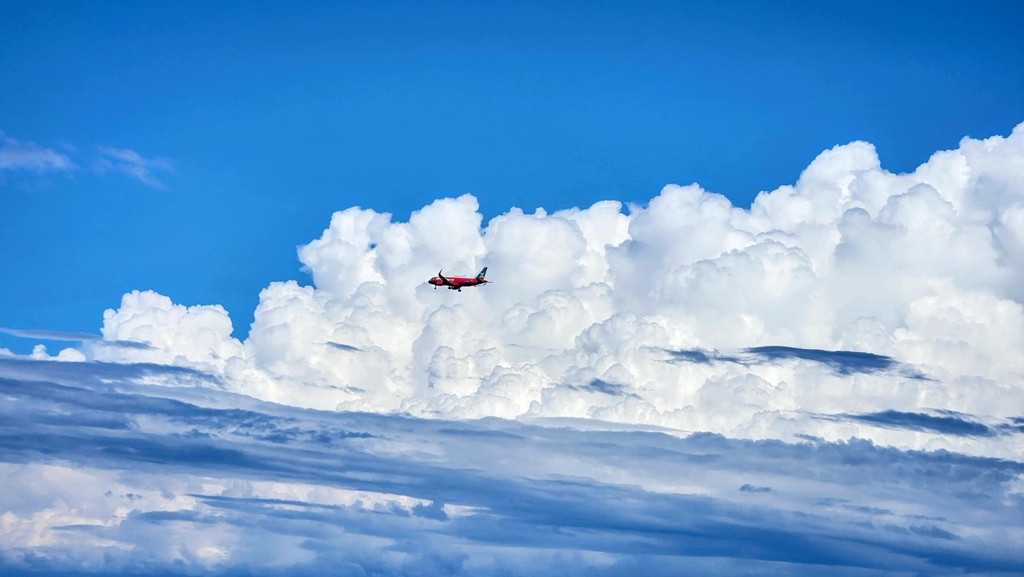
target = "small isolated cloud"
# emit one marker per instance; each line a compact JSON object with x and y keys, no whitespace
{"x":133,"y":164}
{"x":29,"y":156}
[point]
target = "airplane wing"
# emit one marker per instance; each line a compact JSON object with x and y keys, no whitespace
{"x":445,"y":281}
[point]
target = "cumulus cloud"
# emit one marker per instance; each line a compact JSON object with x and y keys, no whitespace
{"x":133,"y":164}
{"x":853,"y":291}
{"x":29,"y":156}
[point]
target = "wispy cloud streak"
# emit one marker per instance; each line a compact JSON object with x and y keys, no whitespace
{"x":49,"y":335}
{"x":133,"y":164}
{"x":29,"y":156}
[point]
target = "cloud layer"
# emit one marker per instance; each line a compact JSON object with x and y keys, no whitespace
{"x":131,"y":469}
{"x":592,"y":312}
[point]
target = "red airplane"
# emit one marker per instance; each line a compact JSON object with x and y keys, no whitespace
{"x":456,"y":283}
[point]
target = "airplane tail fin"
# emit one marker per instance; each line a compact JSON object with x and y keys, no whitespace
{"x":482,"y":274}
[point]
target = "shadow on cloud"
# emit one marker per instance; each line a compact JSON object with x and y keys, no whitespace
{"x":938,"y":422}
{"x":843,"y":363}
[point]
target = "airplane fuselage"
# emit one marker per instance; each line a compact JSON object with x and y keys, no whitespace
{"x":456,"y":283}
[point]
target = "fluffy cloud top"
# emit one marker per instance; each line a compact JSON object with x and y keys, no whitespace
{"x":642,"y":314}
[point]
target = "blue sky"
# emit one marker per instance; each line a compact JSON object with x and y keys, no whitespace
{"x":271,"y":116}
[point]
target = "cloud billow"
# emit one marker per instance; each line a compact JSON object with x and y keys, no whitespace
{"x":854,"y":291}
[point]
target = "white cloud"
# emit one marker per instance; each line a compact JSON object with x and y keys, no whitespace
{"x":923,"y":268}
{"x":198,"y":336}
{"x":133,"y":164}
{"x":15,"y":155}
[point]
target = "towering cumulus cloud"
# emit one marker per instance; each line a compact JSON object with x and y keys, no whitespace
{"x":854,"y":292}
